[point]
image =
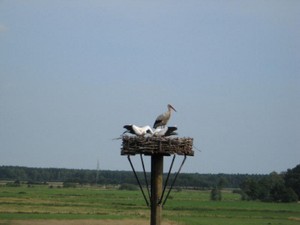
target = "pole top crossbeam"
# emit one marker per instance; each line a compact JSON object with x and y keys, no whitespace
{"x":166,"y":146}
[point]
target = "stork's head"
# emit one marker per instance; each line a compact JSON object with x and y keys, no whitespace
{"x":171,"y":107}
{"x":149,"y":131}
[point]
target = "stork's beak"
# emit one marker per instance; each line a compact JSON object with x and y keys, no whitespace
{"x":172,"y":108}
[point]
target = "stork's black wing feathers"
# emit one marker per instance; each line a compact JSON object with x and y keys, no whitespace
{"x":170,"y":131}
{"x":158,"y":121}
{"x":128,"y":129}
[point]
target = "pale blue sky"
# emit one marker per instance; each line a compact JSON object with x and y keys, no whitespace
{"x":72,"y":73}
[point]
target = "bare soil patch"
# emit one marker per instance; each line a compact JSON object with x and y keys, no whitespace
{"x":80,"y":222}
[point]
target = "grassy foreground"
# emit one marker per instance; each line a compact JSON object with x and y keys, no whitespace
{"x":185,"y":207}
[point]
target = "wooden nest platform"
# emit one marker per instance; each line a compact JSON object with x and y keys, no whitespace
{"x":157,"y":145}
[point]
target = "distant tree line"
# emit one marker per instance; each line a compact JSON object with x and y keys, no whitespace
{"x":284,"y":187}
{"x":105,"y":177}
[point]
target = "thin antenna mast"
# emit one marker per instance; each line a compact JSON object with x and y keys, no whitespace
{"x":97,"y":172}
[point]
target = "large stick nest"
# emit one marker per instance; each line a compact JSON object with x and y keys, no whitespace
{"x":156,"y":145}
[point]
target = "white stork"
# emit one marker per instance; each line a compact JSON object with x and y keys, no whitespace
{"x":163,"y":119}
{"x":139,"y":131}
{"x":142,"y":131}
{"x":166,"y":131}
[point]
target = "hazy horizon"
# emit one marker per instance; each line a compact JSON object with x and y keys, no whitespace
{"x":148,"y":171}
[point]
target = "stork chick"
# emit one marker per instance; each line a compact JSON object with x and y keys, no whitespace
{"x":139,"y":131}
{"x":165,"y":132}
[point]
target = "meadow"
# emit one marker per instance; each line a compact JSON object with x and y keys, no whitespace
{"x":186,"y":207}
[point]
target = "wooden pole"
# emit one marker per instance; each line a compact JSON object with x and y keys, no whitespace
{"x":156,"y":188}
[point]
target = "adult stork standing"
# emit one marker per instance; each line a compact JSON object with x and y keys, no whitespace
{"x":163,"y":119}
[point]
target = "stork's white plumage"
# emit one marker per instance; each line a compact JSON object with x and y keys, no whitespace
{"x":139,"y":131}
{"x":142,"y":131}
{"x":165,"y":131}
{"x":163,"y":119}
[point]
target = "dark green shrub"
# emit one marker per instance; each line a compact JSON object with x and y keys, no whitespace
{"x":216,"y":194}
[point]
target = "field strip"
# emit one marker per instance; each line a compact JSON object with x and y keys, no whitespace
{"x":79,"y":222}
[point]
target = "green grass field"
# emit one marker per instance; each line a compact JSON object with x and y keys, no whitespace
{"x":184,"y":207}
